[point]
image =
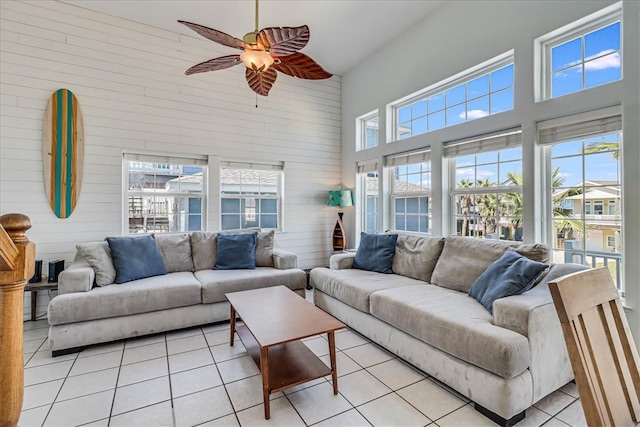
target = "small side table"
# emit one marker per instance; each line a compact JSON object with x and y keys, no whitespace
{"x":34,"y":288}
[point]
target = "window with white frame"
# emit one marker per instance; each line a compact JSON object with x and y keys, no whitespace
{"x":164,"y":193}
{"x":583,"y":54}
{"x":474,"y":94}
{"x":411,"y":190}
{"x":251,"y":195}
{"x":486,"y":190}
{"x":368,"y":131}
{"x":369,"y":184}
{"x":584,"y":159}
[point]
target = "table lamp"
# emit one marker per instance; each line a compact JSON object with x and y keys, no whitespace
{"x":339,"y":198}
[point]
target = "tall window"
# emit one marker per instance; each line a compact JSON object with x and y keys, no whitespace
{"x":584,"y":160}
{"x":411,"y":191}
{"x":583,"y":55}
{"x":368,"y":175}
{"x":250,"y":195}
{"x":164,"y":194}
{"x":487,"y":196}
{"x":368,"y":131}
{"x":475,"y":94}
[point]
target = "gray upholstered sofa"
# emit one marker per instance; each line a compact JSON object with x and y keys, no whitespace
{"x":91,"y":309}
{"x":504,"y":362}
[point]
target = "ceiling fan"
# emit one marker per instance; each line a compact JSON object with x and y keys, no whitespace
{"x":265,"y":52}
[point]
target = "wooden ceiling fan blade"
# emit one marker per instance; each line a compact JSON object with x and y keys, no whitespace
{"x":215,"y":35}
{"x":301,"y":66}
{"x":261,"y":82}
{"x":283,"y":41}
{"x":215,"y":64}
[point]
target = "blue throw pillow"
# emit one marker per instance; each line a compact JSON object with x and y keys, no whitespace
{"x":236,"y":251}
{"x":511,"y":274}
{"x":375,"y":252}
{"x":135,"y":258}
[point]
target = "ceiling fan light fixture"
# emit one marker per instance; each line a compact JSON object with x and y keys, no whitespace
{"x":256,"y":60}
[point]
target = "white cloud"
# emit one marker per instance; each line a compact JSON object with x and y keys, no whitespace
{"x":604,"y":62}
{"x":474,"y":114}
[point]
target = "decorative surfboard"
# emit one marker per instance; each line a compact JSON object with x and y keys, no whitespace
{"x":63,"y":152}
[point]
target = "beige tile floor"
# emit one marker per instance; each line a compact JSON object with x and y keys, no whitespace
{"x":193,"y":377}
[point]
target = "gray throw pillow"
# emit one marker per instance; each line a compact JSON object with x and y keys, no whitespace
{"x":264,"y":249}
{"x":176,"y":251}
{"x":416,"y":255}
{"x":203,"y":250}
{"x":511,"y":274}
{"x":98,"y":255}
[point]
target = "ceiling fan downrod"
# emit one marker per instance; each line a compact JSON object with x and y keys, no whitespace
{"x":252,"y":37}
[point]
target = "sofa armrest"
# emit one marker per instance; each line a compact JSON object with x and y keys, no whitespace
{"x":342,"y":261}
{"x":533,"y":315}
{"x":78,"y":277}
{"x":284,"y":260}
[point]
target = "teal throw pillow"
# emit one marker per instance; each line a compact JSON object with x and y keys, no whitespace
{"x":135,"y":258}
{"x":375,"y":252}
{"x":511,"y":274}
{"x":236,"y":251}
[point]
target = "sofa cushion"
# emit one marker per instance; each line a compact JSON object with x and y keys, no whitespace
{"x":416,"y":255}
{"x":139,"y":296}
{"x":511,"y":274}
{"x":454,"y":323}
{"x":375,"y":252}
{"x":464,"y":259}
{"x":98,"y":255}
{"x":216,"y":283}
{"x":236,"y":251}
{"x":176,"y":251}
{"x":354,"y":287}
{"x":135,"y":258}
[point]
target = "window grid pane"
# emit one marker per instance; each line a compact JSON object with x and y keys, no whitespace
{"x":481,"y":96}
{"x":590,"y":59}
{"x":488,"y":196}
{"x":586,"y":189}
{"x":411,"y":192}
{"x":249,"y":198}
{"x":164,"y":197}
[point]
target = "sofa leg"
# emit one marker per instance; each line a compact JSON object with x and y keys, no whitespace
{"x":56,"y":353}
{"x":497,"y":418}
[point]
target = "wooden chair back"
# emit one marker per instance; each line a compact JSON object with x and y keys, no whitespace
{"x":602,"y":352}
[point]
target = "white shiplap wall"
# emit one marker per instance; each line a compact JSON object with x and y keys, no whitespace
{"x":129,"y":79}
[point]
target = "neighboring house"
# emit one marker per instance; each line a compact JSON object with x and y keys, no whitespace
{"x":601,"y":214}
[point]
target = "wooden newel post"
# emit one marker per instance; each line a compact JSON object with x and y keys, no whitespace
{"x":17,"y":258}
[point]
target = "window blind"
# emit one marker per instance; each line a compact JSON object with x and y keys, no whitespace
{"x":484,"y":143}
{"x":367,"y":166}
{"x":580,"y":126}
{"x":276,"y":166}
{"x":407,"y":158}
{"x":152,"y":158}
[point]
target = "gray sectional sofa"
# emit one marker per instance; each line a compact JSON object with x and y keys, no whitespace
{"x":504,"y":362}
{"x":90,"y":308}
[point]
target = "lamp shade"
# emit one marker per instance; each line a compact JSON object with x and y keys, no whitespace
{"x":339,"y":198}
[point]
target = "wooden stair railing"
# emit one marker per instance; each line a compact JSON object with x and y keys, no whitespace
{"x":17,"y":258}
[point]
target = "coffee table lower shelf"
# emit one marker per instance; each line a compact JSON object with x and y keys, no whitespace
{"x":290,"y":363}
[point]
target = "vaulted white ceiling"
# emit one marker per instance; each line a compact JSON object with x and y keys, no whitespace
{"x":342,"y":32}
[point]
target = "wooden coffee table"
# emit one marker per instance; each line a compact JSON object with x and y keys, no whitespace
{"x":275,"y":320}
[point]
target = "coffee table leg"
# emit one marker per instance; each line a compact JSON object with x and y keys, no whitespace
{"x":264,"y":369}
{"x":332,"y":355}
{"x":232,"y":323}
